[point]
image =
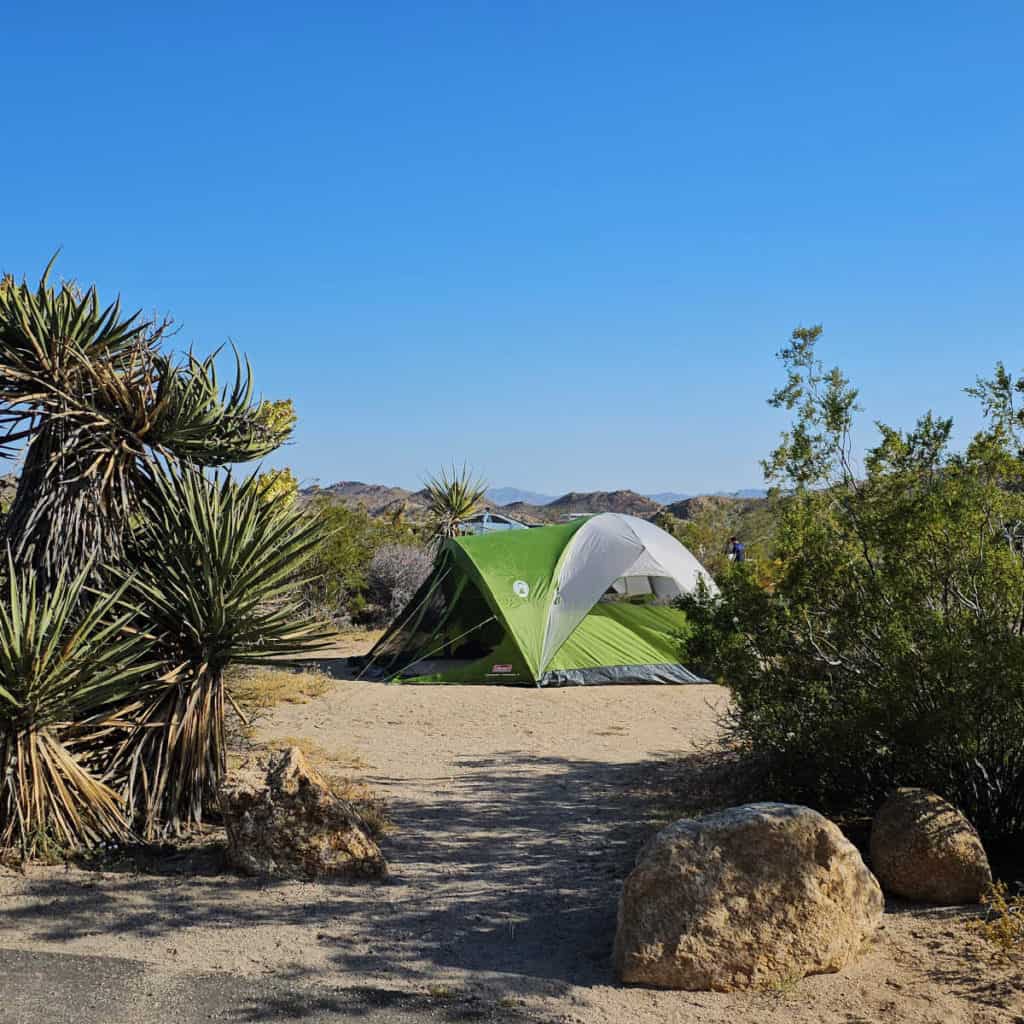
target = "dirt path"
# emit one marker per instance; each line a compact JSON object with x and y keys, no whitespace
{"x":519,"y":812}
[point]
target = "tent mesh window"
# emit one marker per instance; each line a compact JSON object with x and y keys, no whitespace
{"x":447,"y":618}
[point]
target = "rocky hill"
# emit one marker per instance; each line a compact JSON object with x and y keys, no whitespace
{"x":702,"y":505}
{"x":575,"y":502}
{"x":377,"y":499}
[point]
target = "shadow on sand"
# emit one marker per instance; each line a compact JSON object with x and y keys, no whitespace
{"x":511,"y":867}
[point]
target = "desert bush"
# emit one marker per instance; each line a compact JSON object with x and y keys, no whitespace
{"x":90,"y":400}
{"x":890,"y":650}
{"x":454,"y":495}
{"x":394,"y":575}
{"x":713,"y":519}
{"x":338,"y":585}
{"x":1003,"y":923}
{"x":134,"y":579}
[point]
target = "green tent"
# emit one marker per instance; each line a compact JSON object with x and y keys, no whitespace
{"x":577,"y":603}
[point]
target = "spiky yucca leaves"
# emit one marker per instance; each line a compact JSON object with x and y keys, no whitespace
{"x":93,"y":399}
{"x":453,"y":496}
{"x":216,"y":567}
{"x":60,"y":667}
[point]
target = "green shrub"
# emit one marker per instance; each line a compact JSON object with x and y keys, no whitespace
{"x":713,"y":519}
{"x":112,"y":698}
{"x":340,"y":585}
{"x":890,"y":648}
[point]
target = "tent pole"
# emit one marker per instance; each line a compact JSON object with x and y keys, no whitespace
{"x":398,"y":628}
{"x":460,"y":585}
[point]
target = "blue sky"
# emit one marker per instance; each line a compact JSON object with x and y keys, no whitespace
{"x":562,"y":241}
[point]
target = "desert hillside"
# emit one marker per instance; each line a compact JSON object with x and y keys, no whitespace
{"x":377,"y":499}
{"x":381,"y":500}
{"x":575,"y":502}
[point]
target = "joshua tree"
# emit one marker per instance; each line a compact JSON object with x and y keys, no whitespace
{"x":93,"y":403}
{"x":453,"y":497}
{"x":112,"y":700}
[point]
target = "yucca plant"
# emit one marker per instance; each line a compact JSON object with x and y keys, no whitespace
{"x":114,"y":434}
{"x":215,"y":570}
{"x":453,"y":496}
{"x":67,"y":659}
{"x":91,"y":400}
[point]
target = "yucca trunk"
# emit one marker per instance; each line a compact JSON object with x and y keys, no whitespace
{"x":176,"y":757}
{"x":48,"y":798}
{"x":65,"y":513}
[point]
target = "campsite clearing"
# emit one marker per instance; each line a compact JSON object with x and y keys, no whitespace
{"x":518,"y":812}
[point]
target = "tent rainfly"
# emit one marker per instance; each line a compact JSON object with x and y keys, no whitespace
{"x":549,"y":606}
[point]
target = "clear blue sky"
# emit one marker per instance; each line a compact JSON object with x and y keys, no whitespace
{"x":562,"y":241}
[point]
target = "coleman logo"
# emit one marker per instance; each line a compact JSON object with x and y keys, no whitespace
{"x":521,"y":588}
{"x":499,"y":669}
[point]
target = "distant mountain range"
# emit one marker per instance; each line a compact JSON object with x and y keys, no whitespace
{"x":513,"y":496}
{"x":510,"y":495}
{"x":529,"y":506}
{"x":668,"y":497}
{"x":628,"y":502}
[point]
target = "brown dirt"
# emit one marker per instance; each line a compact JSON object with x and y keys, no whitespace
{"x":518,"y":813}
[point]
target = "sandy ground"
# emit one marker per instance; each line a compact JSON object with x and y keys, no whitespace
{"x":518,"y":813}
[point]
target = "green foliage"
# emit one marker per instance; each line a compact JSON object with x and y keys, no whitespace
{"x":65,"y":658}
{"x":214,"y":574}
{"x":712,"y":520}
{"x":454,"y":496}
{"x":338,"y":585}
{"x":890,"y":650}
{"x":279,"y":485}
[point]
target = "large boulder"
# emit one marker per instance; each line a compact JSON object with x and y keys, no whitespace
{"x":753,"y":896}
{"x":287,"y":823}
{"x":923,"y":848}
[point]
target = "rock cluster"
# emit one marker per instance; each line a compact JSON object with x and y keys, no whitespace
{"x":287,"y":823}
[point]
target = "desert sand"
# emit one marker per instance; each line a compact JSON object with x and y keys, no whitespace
{"x":517,"y":813}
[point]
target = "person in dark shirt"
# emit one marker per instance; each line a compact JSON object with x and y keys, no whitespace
{"x":736,"y":550}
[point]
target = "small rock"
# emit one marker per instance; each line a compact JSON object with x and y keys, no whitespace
{"x":288,"y":824}
{"x":753,"y":896}
{"x":923,"y":848}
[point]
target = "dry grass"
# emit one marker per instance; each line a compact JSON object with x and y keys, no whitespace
{"x":256,"y":691}
{"x":361,"y":640}
{"x":1003,"y":924}
{"x":259,"y":689}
